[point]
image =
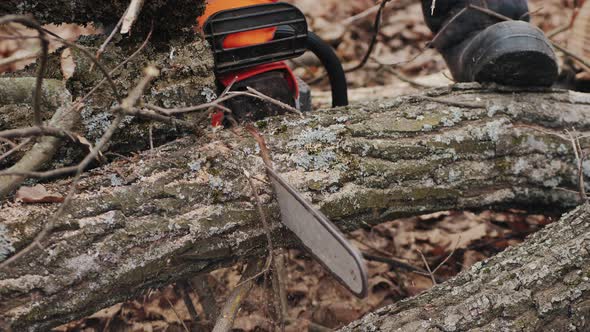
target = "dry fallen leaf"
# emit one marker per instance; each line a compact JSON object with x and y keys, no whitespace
{"x":68,"y":66}
{"x":253,"y":323}
{"x":37,"y":194}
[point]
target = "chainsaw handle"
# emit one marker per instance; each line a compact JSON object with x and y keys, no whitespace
{"x":329,"y":60}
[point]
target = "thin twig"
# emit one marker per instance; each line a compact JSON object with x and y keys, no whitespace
{"x":119,"y":66}
{"x":558,"y":31}
{"x":16,"y":58}
{"x":30,"y":23}
{"x":200,"y":107}
{"x":217,"y":103}
{"x":176,"y":314}
{"x":131,"y":15}
{"x":160,"y":118}
{"x":94,"y":60}
{"x":542,"y":130}
{"x":579,"y":153}
{"x":264,"y":270}
{"x":452,"y":102}
{"x":8,"y":142}
{"x":201,"y":285}
{"x":361,"y":15}
{"x":112,"y":35}
{"x":37,"y":131}
{"x":404,"y":78}
{"x":14,"y":149}
{"x":448,"y":257}
{"x":42,"y":175}
{"x":126,"y":105}
{"x":374,"y":38}
{"x":271,"y":100}
{"x":184,"y":289}
{"x":583,"y":61}
{"x":151,"y":137}
{"x":393,"y":262}
{"x":427,"y":267}
{"x":232,"y":305}
{"x":270,"y":247}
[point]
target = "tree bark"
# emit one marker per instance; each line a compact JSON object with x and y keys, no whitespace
{"x":165,"y":216}
{"x":186,"y":79}
{"x":540,"y":285}
{"x":58,"y":100}
{"x":171,"y":17}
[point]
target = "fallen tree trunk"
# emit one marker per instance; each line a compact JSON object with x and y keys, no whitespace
{"x":541,"y":285}
{"x":185,"y":209}
{"x":169,"y":16}
{"x":186,"y":79}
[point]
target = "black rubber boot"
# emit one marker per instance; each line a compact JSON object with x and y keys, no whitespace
{"x":480,"y":47}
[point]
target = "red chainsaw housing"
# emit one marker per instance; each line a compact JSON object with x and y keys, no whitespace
{"x":247,"y":38}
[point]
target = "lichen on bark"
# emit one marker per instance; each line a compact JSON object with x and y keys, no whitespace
{"x":169,"y":17}
{"x":187,"y":208}
{"x":541,"y":285}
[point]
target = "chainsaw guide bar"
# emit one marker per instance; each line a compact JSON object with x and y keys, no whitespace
{"x":322,"y":238}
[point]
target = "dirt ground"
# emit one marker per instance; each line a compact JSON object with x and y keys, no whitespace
{"x":446,"y":242}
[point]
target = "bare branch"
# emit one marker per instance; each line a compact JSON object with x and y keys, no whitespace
{"x":374,"y":38}
{"x":30,"y":23}
{"x":228,"y":314}
{"x":131,"y":15}
{"x":127,"y":105}
{"x":14,"y":149}
{"x":37,"y":131}
{"x":60,"y":124}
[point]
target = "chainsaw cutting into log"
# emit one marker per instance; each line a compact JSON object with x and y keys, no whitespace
{"x":250,"y":40}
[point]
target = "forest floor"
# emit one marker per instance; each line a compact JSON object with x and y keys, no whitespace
{"x":446,"y":242}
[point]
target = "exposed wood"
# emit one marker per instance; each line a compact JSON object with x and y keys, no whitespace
{"x":131,"y":15}
{"x":187,"y":208}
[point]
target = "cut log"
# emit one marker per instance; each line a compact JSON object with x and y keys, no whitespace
{"x":186,"y":208}
{"x":540,"y":285}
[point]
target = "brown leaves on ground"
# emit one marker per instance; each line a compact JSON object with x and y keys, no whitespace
{"x":315,"y":298}
{"x":12,"y":45}
{"x":469,"y":237}
{"x":402,"y":38}
{"x":37,"y":194}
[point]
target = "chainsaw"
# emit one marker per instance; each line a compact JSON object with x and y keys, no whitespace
{"x":250,"y":40}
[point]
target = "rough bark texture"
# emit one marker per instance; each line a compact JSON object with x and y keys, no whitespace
{"x":57,"y":101}
{"x":183,"y":57}
{"x":186,"y":79}
{"x":187,"y":208}
{"x":168,"y":16}
{"x":541,"y":285}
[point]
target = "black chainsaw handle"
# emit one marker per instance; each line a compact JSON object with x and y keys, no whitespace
{"x":329,"y":60}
